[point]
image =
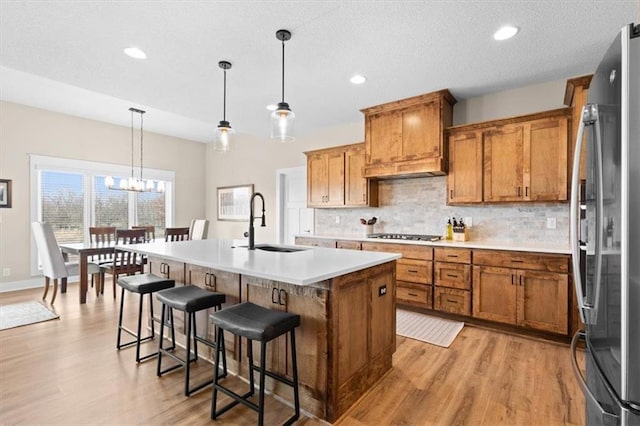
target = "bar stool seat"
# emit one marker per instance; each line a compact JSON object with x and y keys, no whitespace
{"x":255,"y":323}
{"x":189,"y":299}
{"x":141,"y":284}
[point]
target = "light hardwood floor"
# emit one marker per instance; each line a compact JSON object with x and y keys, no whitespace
{"x":68,"y":371}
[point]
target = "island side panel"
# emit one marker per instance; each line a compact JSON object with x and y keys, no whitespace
{"x":361,"y":334}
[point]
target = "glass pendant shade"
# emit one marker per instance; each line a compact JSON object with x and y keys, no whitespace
{"x":109,"y":182}
{"x":223,"y":137}
{"x":282,"y":123}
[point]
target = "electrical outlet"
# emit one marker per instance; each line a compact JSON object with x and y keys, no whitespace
{"x":382,"y":290}
{"x":6,"y":272}
{"x":468,"y":221}
{"x":337,"y":219}
{"x":551,"y":223}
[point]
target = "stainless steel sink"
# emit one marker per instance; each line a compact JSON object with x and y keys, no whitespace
{"x":267,"y":247}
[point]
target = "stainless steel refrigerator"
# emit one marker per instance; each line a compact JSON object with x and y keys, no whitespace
{"x":605,"y":236}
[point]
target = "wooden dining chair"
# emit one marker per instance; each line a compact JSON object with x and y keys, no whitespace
{"x":176,"y":234}
{"x":53,"y":264}
{"x":104,"y":235}
{"x":150,"y":231}
{"x":198,"y":229}
{"x":124,"y":262}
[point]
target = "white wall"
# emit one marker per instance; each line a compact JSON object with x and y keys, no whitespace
{"x":26,"y":130}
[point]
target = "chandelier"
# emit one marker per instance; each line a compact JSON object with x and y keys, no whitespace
{"x":133,"y":183}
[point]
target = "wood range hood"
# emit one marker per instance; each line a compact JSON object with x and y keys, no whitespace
{"x":405,"y":138}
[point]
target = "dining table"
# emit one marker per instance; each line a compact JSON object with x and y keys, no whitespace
{"x":85,"y":251}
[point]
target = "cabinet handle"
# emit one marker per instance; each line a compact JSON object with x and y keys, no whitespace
{"x":274,"y":295}
{"x":451,"y":194}
{"x":520,"y":279}
{"x":364,"y":198}
{"x":452,"y":255}
{"x":282,"y":297}
{"x":413,"y":271}
{"x":455,"y":302}
{"x":518,"y":191}
{"x":412,"y":294}
{"x":512,"y":278}
{"x":526,"y":191}
{"x":517,"y":260}
{"x":452,"y":276}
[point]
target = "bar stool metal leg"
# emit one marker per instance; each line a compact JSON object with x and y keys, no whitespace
{"x":263,"y":367}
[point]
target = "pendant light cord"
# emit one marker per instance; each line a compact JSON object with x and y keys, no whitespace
{"x":283,"y":71}
{"x":141,"y":134}
{"x":132,"y":144}
{"x":224,"y":98}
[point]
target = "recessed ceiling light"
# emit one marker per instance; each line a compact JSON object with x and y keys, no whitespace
{"x":358,"y":79}
{"x":272,"y":107}
{"x":506,"y":32}
{"x":134,"y":52}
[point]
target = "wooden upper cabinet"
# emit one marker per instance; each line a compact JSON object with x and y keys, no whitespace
{"x":503,"y":164}
{"x":522,"y":159}
{"x":325,"y":178}
{"x":334,"y":178}
{"x":465,"y":168}
{"x":359,"y":191}
{"x":406,"y":137}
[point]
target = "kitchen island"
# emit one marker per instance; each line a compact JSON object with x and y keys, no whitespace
{"x":346,"y":301}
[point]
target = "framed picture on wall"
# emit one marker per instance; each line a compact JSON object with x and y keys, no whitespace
{"x":5,"y":193}
{"x":233,"y":202}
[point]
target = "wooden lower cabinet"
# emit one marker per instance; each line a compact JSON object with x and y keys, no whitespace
{"x":532,"y":299}
{"x":173,"y":270}
{"x":414,"y":294}
{"x":351,"y":245}
{"x":224,"y":282}
{"x":452,"y":300}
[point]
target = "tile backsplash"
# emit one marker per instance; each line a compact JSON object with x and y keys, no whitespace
{"x":418,"y":206}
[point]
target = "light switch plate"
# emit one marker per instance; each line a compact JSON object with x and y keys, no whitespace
{"x":551,"y":223}
{"x":337,"y":219}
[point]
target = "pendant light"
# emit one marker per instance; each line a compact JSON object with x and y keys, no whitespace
{"x":134,"y":183}
{"x":224,"y":133}
{"x":282,"y":119}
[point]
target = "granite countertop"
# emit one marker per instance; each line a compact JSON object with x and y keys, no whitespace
{"x":536,"y":247}
{"x":305,"y":267}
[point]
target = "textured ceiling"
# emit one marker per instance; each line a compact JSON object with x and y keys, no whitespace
{"x":67,"y":55}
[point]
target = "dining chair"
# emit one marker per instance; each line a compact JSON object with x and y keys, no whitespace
{"x":53,"y":264}
{"x":198,"y":229}
{"x":124,"y":262}
{"x":104,"y":235}
{"x":150,"y":231}
{"x":176,"y":234}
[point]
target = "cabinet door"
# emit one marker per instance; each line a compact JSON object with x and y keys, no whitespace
{"x":545,"y":160}
{"x":383,"y":313}
{"x":384,"y":137}
{"x":317,"y":180}
{"x":543,"y":301}
{"x":464,"y":181}
{"x":175,"y":271}
{"x":503,"y":158}
{"x":355,"y":184}
{"x":494,"y":294}
{"x":335,"y":191}
{"x":421,"y":132}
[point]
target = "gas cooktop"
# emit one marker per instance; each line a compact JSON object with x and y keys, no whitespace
{"x":411,"y":237}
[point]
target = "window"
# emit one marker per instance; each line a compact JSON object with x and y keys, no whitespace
{"x":72,"y":196}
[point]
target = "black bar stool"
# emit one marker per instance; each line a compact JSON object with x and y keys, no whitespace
{"x":141,"y":284}
{"x":262,"y":325}
{"x":189,"y":299}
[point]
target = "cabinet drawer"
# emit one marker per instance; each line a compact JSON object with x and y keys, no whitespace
{"x":415,"y":271}
{"x":414,"y":294}
{"x":452,"y":300}
{"x":315,"y":242}
{"x":407,"y":250}
{"x":521,"y":260}
{"x":454,"y":275}
{"x":456,"y":255}
{"x":351,"y":245}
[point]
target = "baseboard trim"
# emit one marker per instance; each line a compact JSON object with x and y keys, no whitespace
{"x":37,"y":282}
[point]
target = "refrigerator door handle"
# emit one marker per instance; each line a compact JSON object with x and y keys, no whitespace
{"x":587,"y":310}
{"x":604,"y":415}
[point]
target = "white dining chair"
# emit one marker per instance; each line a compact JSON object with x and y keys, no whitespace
{"x":53,"y":264}
{"x":198,"y":229}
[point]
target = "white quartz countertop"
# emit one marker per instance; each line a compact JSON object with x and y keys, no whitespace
{"x":536,"y":247}
{"x":312,"y":265}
